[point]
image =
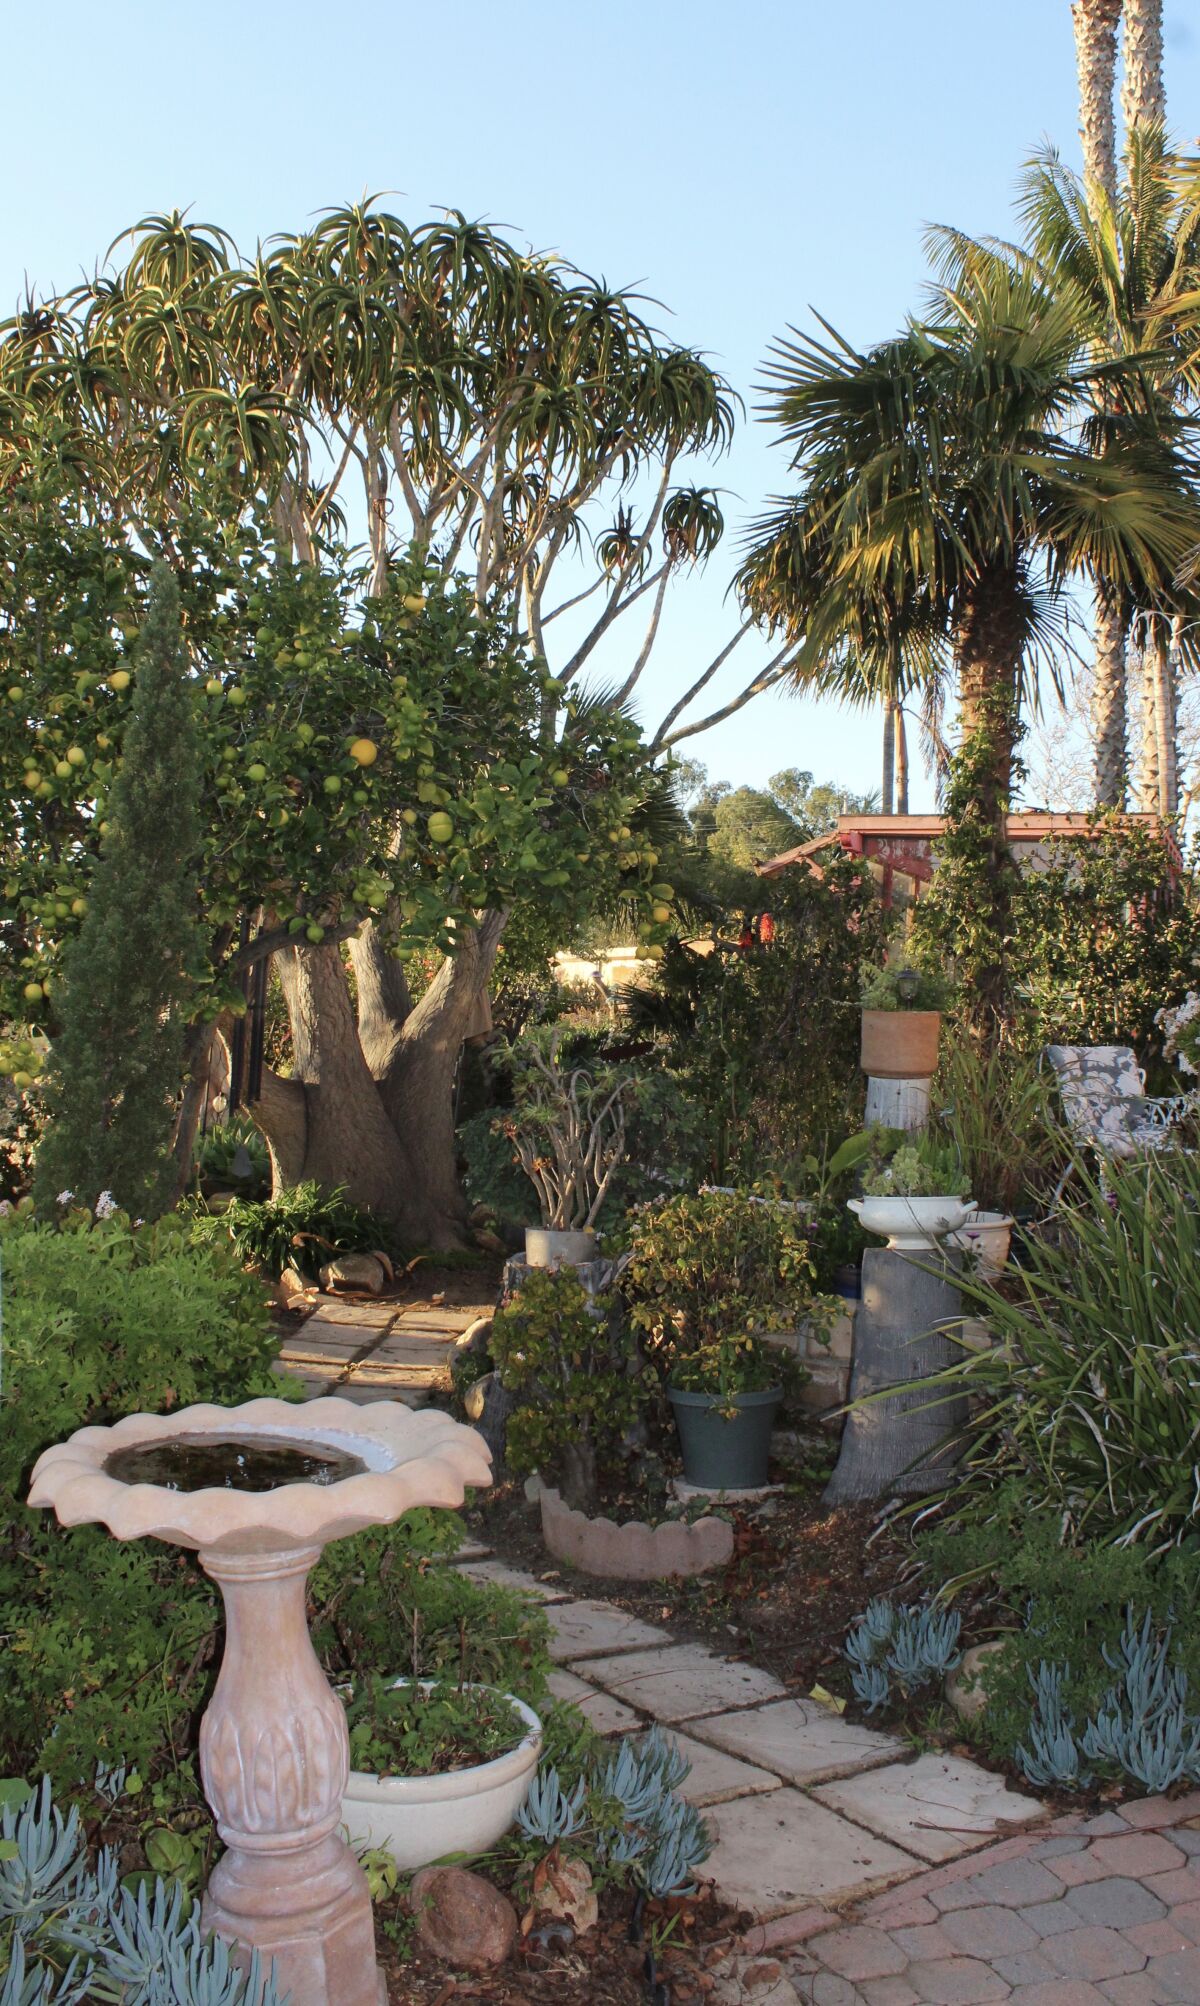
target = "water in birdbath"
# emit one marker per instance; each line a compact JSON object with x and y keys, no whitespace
{"x":230,"y":1463}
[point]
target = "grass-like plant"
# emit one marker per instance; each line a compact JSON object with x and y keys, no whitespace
{"x":994,"y":1106}
{"x":1089,"y":1394}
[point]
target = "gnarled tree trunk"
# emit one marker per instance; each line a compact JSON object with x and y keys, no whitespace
{"x":370,"y":1103}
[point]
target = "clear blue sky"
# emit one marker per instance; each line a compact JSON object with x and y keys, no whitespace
{"x":743,"y":161}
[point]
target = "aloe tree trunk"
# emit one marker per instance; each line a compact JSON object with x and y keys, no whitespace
{"x":369,"y":1104}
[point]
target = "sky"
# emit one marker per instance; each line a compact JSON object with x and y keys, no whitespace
{"x":743,"y":163}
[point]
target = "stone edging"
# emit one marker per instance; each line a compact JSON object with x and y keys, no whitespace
{"x":633,"y":1551}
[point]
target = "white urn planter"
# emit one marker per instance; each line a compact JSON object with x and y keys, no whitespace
{"x":552,"y":1247}
{"x":419,"y":1819}
{"x":986,"y":1236}
{"x":912,"y":1225}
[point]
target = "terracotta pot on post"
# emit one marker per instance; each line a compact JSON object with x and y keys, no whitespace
{"x":900,"y":1044}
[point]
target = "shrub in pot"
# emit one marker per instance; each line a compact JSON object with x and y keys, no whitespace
{"x":436,"y":1767}
{"x":567,"y":1130}
{"x":707,"y":1279}
{"x":902,"y":1008}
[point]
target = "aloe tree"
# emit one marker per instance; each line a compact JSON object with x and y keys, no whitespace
{"x":491,"y":408}
{"x":951,"y":480}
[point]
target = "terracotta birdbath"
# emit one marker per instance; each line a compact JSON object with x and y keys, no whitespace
{"x":258,"y":1491}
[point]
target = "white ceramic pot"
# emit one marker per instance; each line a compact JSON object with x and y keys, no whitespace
{"x":987,"y":1236}
{"x":912,"y":1225}
{"x":547,"y":1247}
{"x":418,"y":1819}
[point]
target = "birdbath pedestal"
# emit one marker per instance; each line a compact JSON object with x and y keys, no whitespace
{"x":258,"y":1491}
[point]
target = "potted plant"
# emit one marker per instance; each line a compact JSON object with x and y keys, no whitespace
{"x":916,"y":1197}
{"x":437,"y":1767}
{"x":567,"y":1131}
{"x":902,"y":1004}
{"x":707,"y":1280}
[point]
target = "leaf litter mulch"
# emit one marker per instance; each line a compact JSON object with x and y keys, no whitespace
{"x":622,"y":1961}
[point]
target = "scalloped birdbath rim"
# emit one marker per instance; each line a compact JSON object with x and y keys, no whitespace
{"x":411,"y":1459}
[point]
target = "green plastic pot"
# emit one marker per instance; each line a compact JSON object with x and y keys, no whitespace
{"x":720,"y":1453}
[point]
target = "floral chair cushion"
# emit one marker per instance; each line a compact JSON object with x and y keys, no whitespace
{"x":1104,"y":1099}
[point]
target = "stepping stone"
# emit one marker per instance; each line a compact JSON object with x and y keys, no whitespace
{"x":512,"y":1577}
{"x":779,"y":1853}
{"x":682,"y":1681}
{"x":401,"y":1349}
{"x":605,"y":1714}
{"x":372,"y":1372}
{"x":364,"y":1396}
{"x":937,"y":1806}
{"x":581,"y":1629}
{"x":441,"y":1324}
{"x":801,"y":1741}
{"x":318,"y":1339}
{"x":362,"y":1316}
{"x":716,"y":1777}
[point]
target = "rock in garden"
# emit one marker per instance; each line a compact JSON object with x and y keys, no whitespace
{"x":477,"y":1395}
{"x":564,"y":1888}
{"x":354,"y":1271}
{"x":963,"y":1689}
{"x":291,"y":1283}
{"x":477,"y":1337}
{"x":462,"y":1918}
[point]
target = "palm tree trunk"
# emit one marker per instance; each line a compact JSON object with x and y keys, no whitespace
{"x":887,"y":789}
{"x":1096,"y":23}
{"x":989,"y":641}
{"x":901,"y":763}
{"x":1162,"y":685}
{"x":1110,"y":722}
{"x":1141,"y":675}
{"x":1143,"y":96}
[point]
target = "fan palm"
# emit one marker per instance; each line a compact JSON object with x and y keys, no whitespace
{"x":952,"y":485}
{"x":1128,"y":266}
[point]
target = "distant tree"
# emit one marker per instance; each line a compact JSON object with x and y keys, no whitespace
{"x":131,"y":971}
{"x":815,"y":807}
{"x":750,"y":827}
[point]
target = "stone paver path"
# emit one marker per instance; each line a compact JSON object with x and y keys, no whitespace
{"x":815,"y":1815}
{"x":385,"y":1350}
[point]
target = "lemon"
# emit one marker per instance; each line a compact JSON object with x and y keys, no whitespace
{"x":76,"y":755}
{"x":413,"y":602}
{"x":214,"y":686}
{"x":120,"y":679}
{"x":32,"y":992}
{"x":256,"y":772}
{"x":440,"y":827}
{"x":364,"y":751}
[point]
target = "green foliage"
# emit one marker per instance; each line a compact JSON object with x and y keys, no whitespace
{"x":573,"y":1364}
{"x":129,"y":978}
{"x":766,"y":1042}
{"x":107,"y":1643}
{"x":706,"y":1276}
{"x":427,"y":1729}
{"x":925,"y":1169}
{"x":386,"y":1602}
{"x":618,"y":1809}
{"x":1097,"y":940}
{"x":991,"y":1105}
{"x":1057,"y":1601}
{"x":320,"y":717}
{"x":1088,"y":1392}
{"x":903,"y":983}
{"x":303,"y":1228}
{"x":221,"y":1148}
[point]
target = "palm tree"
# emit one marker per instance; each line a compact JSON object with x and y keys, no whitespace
{"x":1128,"y":265}
{"x":951,"y":482}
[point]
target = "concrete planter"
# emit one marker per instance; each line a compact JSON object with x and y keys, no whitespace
{"x":912,"y":1225}
{"x":634,"y":1551}
{"x":547,"y":1247}
{"x":900,"y":1044}
{"x":987,"y":1237}
{"x":418,"y":1819}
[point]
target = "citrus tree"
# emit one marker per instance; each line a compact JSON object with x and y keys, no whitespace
{"x":372,"y":774}
{"x":457,"y":404}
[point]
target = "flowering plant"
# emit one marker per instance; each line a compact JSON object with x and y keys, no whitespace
{"x":1181,"y":1032}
